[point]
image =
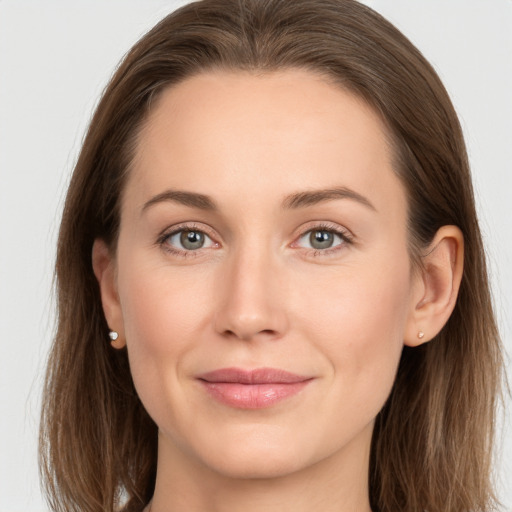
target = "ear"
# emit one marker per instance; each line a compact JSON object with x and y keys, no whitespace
{"x":103,"y":264}
{"x":436,"y":286}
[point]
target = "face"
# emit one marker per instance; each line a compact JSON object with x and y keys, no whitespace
{"x":262,"y":274}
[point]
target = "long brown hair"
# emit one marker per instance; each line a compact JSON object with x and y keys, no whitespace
{"x":432,"y":442}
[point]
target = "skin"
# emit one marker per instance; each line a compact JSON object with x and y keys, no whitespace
{"x":258,"y":295}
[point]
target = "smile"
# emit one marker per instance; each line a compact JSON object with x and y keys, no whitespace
{"x":253,"y":389}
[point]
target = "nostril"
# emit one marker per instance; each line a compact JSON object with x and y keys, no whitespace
{"x":245,"y":314}
{"x":250,"y":335}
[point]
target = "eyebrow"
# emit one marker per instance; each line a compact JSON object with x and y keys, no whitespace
{"x":192,"y":199}
{"x":312,"y":197}
{"x":292,"y":201}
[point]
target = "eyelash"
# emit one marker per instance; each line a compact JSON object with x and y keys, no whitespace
{"x":178,"y":229}
{"x":345,"y":236}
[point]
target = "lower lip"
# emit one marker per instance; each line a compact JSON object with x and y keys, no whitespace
{"x":253,"y":396}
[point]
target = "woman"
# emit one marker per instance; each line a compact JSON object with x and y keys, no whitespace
{"x":272,"y":220}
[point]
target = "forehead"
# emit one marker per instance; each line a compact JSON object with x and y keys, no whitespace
{"x":238,"y":135}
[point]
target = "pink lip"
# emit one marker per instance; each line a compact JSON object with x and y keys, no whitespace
{"x":252,"y":389}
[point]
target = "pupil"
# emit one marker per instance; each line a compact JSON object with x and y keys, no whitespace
{"x":192,"y":239}
{"x":321,"y":239}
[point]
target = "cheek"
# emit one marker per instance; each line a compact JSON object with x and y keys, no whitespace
{"x":163,"y":313}
{"x":161,"y":308}
{"x":359,"y":322}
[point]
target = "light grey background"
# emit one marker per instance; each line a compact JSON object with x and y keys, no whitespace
{"x":56,"y":57}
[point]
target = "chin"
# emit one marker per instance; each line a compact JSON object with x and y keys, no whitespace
{"x":256,"y":466}
{"x":265,"y":454}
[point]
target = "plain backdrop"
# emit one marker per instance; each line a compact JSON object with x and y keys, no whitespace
{"x":55,"y":59}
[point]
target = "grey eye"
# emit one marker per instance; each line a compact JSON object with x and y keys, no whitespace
{"x":321,"y":239}
{"x":192,"y":240}
{"x":189,"y":240}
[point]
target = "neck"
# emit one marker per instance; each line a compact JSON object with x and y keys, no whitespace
{"x":337,"y":483}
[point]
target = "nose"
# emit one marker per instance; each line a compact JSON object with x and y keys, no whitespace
{"x":251,"y":303}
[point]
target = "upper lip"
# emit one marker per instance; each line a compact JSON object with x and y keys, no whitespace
{"x":255,"y":376}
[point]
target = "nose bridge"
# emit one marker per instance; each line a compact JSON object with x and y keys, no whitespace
{"x":251,"y":302}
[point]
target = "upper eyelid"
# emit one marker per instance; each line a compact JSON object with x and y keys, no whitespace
{"x":186,"y":226}
{"x":325,"y":226}
{"x":340,"y":233}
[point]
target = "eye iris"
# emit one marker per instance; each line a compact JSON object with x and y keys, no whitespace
{"x":321,"y":239}
{"x":192,"y":239}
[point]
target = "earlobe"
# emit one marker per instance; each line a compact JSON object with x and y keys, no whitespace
{"x":103,"y":266}
{"x":437,"y":286}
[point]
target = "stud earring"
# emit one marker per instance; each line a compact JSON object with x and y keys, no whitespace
{"x":113,"y":335}
{"x":421,"y":334}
